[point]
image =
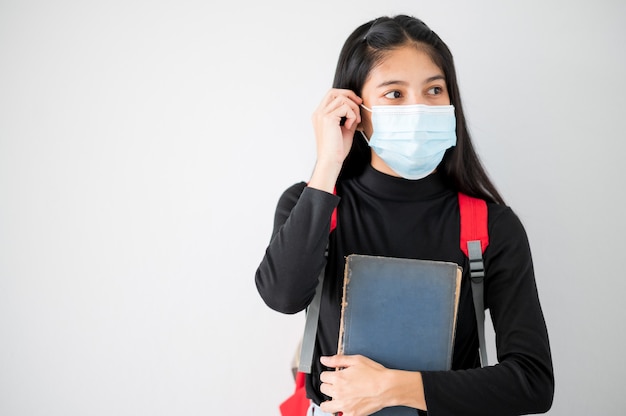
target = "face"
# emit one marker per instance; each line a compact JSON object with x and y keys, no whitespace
{"x":406,"y":75}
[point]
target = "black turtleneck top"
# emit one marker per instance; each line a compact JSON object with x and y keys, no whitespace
{"x":384,"y":215}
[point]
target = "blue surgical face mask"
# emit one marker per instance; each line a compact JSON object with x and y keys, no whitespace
{"x":412,"y":139}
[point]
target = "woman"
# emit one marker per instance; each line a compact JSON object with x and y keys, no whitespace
{"x":398,"y":198}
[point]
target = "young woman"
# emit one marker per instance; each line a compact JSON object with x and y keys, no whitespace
{"x":395,"y":190}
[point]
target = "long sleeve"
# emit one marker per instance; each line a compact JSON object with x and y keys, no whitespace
{"x":287,"y":276}
{"x":523,"y":380}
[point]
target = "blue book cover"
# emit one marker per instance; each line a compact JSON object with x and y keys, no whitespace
{"x":400,"y":313}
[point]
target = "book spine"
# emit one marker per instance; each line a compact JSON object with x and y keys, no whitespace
{"x":344,"y":303}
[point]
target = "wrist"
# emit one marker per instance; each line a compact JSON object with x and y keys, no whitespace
{"x":324,"y":176}
{"x":406,"y":389}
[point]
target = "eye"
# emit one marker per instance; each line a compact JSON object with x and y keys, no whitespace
{"x":393,"y":94}
{"x":435,"y":90}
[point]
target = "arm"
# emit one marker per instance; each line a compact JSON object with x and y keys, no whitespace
{"x":287,"y":276}
{"x":523,"y":380}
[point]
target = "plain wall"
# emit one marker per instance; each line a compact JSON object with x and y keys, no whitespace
{"x":143,"y":148}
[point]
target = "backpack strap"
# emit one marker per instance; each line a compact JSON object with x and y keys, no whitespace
{"x":310,"y":326}
{"x":474,"y":240}
{"x":313,"y":313}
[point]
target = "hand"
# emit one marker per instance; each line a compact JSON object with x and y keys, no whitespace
{"x":333,"y":140}
{"x":358,"y":388}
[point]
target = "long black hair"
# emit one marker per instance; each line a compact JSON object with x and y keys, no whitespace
{"x":364,"y":49}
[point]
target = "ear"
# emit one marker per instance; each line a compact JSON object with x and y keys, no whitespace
{"x":365,"y":121}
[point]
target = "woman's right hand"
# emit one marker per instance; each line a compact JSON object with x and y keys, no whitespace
{"x":333,"y":140}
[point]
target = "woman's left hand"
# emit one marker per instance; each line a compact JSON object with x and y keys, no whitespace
{"x":359,"y":388}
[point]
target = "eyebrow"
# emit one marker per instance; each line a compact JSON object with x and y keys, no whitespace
{"x":399,"y":82}
{"x":435,"y":78}
{"x":391,"y":82}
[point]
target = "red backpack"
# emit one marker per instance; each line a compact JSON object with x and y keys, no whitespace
{"x":474,"y":239}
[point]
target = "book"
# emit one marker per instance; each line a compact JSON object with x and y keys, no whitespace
{"x":400,"y":313}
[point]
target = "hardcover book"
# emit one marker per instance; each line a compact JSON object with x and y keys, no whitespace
{"x":400,"y":313}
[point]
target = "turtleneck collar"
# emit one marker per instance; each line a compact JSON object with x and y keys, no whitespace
{"x":389,"y":187}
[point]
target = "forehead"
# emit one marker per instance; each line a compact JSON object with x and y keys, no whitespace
{"x":409,"y":63}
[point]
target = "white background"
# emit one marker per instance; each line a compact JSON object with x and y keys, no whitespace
{"x":144,"y":145}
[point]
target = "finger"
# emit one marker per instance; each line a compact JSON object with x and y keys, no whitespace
{"x":329,"y":377}
{"x":337,"y":102}
{"x":344,"y":116}
{"x":355,"y":115}
{"x":351,"y":123}
{"x":325,"y":376}
{"x":335,"y":93}
{"x":331,"y":406}
{"x":340,"y":361}
{"x":350,"y":119}
{"x":350,"y":94}
{"x":347,"y":110}
{"x":352,"y":100}
{"x":328,"y":361}
{"x":332,"y":95}
{"x":327,"y":389}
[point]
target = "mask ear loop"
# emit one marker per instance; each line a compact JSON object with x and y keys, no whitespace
{"x":365,"y":137}
{"x":361,"y":131}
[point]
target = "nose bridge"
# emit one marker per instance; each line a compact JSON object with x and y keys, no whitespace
{"x":414,"y":96}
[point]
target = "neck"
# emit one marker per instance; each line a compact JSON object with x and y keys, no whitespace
{"x":380,"y":165}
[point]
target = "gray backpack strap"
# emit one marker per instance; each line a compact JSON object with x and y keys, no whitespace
{"x":477,"y":275}
{"x":310,"y":327}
